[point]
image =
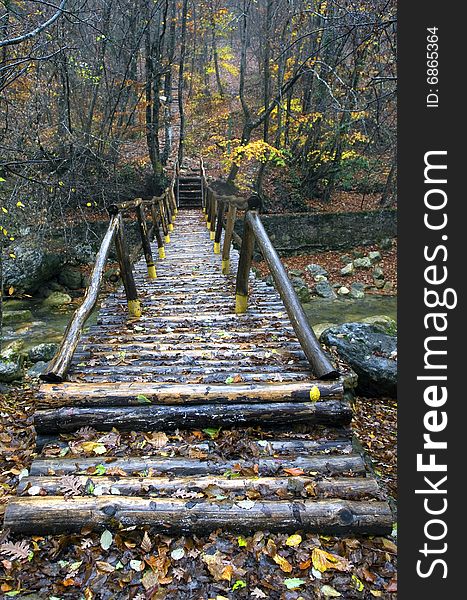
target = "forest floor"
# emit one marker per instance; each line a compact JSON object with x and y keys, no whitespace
{"x":148,"y":565}
{"x":333,"y":261}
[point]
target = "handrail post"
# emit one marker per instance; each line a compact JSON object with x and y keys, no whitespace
{"x":212,"y":217}
{"x":168,"y":212}
{"x":244,"y":266}
{"x":134,"y":306}
{"x":229,"y":227}
{"x":220,"y":223}
{"x":207,"y":195}
{"x":143,"y":229}
{"x":165,"y":227}
{"x":203,"y":191}
{"x":157,"y":231}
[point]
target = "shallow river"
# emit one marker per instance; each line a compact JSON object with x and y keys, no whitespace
{"x":49,"y":324}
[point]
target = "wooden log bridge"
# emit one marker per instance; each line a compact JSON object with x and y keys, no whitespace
{"x":200,"y":399}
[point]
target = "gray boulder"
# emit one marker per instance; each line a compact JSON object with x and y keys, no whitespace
{"x":374,"y":256}
{"x":30,"y":269}
{"x":348,"y":269}
{"x":42,"y":352}
{"x":314,"y":270}
{"x":357,"y":290}
{"x":35,"y":371}
{"x":362,"y":263}
{"x":70,"y":277}
{"x":10,"y":370}
{"x":57,"y":299}
{"x":324,"y":290}
{"x":370,"y":352}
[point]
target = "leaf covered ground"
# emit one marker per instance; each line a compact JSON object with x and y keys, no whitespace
{"x":134,"y":563}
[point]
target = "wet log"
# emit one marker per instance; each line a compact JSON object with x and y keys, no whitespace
{"x":58,"y":367}
{"x":121,"y":394}
{"x":148,"y":418}
{"x":324,"y":464}
{"x":227,"y":246}
{"x":349,"y":488}
{"x":49,"y":515}
{"x":146,"y":244}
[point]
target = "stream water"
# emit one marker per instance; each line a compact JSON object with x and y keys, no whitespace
{"x":48,"y":324}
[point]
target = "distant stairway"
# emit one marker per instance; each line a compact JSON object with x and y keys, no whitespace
{"x":189,"y":192}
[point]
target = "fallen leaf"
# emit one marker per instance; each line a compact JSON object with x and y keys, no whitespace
{"x":283,"y":563}
{"x":217,"y":566}
{"x":257,"y":593}
{"x":136,"y":565}
{"x":357,"y":583}
{"x":294,"y":540}
{"x":104,"y":567}
{"x":323,"y":560}
{"x":177,"y":554}
{"x":106,"y":539}
{"x":146,"y":544}
{"x":149,"y":579}
{"x":330,"y":592}
{"x":294,"y":471}
{"x":294,"y":583}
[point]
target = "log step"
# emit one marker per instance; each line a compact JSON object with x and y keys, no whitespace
{"x":348,"y":488}
{"x":50,"y":514}
{"x":167,"y":417}
{"x":324,"y":464}
{"x":72,"y":394}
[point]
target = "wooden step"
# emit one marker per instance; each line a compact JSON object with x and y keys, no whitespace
{"x":123,"y":394}
{"x":167,"y":417}
{"x":51,"y":514}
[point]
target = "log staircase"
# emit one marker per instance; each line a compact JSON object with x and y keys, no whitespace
{"x":269,"y":444}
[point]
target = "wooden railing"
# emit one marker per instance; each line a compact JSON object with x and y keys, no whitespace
{"x":221,"y":213}
{"x":163,"y":210}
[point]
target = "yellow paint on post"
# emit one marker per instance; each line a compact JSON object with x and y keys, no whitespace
{"x":315,"y":394}
{"x":152,"y":272}
{"x":167,"y":239}
{"x":217,"y":247}
{"x":171,"y":227}
{"x":162,"y":252}
{"x":226,"y":267}
{"x":208,"y":225}
{"x":241,"y":304}
{"x":212,"y":235}
{"x":134,"y":308}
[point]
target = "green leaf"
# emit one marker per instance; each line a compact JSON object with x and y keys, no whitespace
{"x":14,"y":592}
{"x":242,"y":541}
{"x":211,"y":432}
{"x":106,"y":539}
{"x":141,"y":398}
{"x":238,"y":585}
{"x":100,"y":470}
{"x":293,"y":583}
{"x":229,"y":380}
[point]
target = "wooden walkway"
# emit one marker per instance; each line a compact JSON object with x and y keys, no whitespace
{"x":191,"y":363}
